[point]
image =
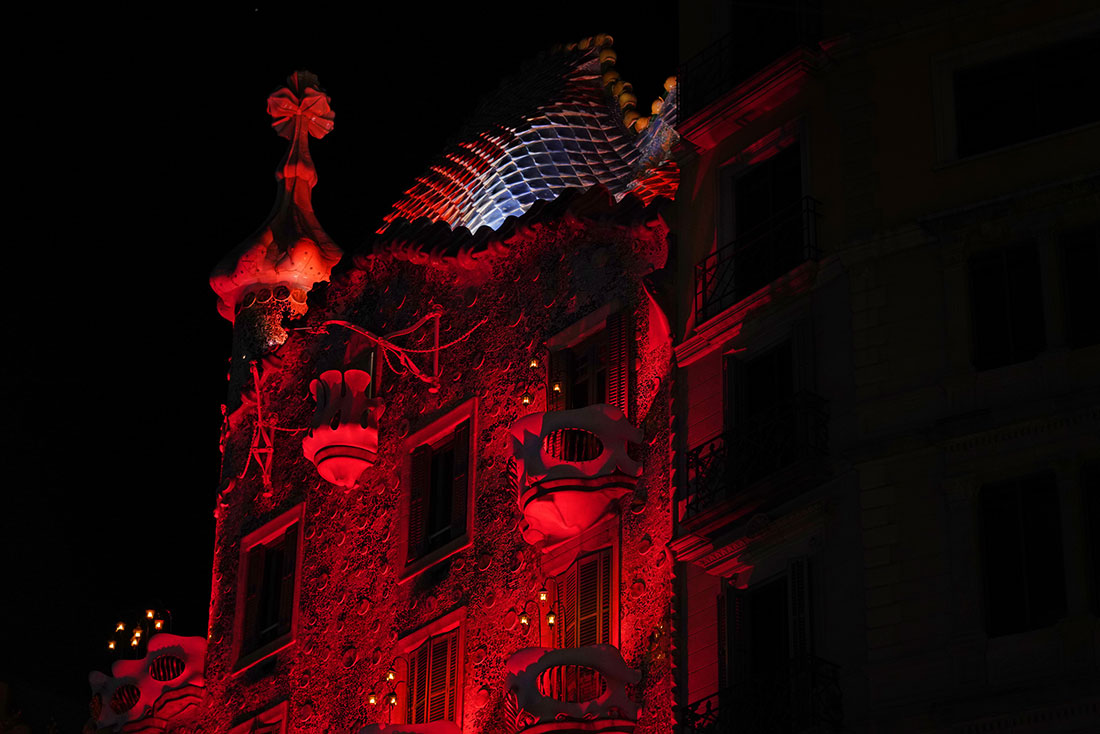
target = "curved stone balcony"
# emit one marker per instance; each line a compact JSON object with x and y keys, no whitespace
{"x":163,"y":688}
{"x":573,"y":689}
{"x":343,"y":437}
{"x":572,"y":467}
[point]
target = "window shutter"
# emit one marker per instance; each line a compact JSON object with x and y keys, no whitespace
{"x":417,"y":703}
{"x":567,"y":609}
{"x":798,"y":602}
{"x":442,"y":676}
{"x":420,"y":486}
{"x":286,"y":593}
{"x":254,"y":578}
{"x":461,"y":484}
{"x":561,"y":372}
{"x":618,"y":362}
{"x":588,"y":602}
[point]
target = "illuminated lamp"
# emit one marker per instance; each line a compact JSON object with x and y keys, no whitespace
{"x":543,"y":594}
{"x":524,"y":619}
{"x":342,"y":441}
{"x":534,"y":363}
{"x":557,"y":387}
{"x":120,"y":627}
{"x":551,"y":619}
{"x":391,"y":698}
{"x":391,"y":674}
{"x":137,"y":632}
{"x":159,"y":624}
{"x":149,"y":613}
{"x":525,"y":398}
{"x":372,"y":699}
{"x":133,"y":642}
{"x":110,"y":644}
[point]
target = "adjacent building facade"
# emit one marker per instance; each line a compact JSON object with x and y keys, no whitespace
{"x":813,"y":447}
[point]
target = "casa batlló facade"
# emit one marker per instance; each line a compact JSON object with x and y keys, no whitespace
{"x":447,"y":458}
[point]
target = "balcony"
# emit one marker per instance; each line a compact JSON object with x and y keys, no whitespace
{"x":800,"y":698}
{"x":784,"y":437}
{"x":736,"y":57}
{"x":571,"y":468}
{"x":572,"y":689}
{"x":756,"y":258}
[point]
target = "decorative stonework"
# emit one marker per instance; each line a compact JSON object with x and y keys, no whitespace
{"x":267,"y":277}
{"x":165,"y":687}
{"x":343,"y":437}
{"x":571,"y":468}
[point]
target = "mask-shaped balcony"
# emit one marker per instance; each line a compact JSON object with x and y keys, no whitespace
{"x":343,"y":438}
{"x":572,"y":467}
{"x":566,"y":690}
{"x":163,"y":689}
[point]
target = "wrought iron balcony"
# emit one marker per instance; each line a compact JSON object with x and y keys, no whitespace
{"x":744,"y":455}
{"x":801,"y":697}
{"x":571,"y":466}
{"x":756,"y":258}
{"x":735,"y":57}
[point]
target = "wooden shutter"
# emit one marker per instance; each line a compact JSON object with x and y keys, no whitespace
{"x":567,"y":609}
{"x":254,"y":579}
{"x":290,"y":568}
{"x":560,"y":370}
{"x":460,"y":486}
{"x":416,"y":708}
{"x":618,"y":362}
{"x":442,"y":676}
{"x":420,"y":476}
{"x":798,"y":602}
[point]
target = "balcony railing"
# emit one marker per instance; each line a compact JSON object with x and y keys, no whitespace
{"x":735,"y":57}
{"x":721,"y":468}
{"x":802,"y":697}
{"x":756,"y":258}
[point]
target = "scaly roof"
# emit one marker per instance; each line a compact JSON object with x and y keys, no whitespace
{"x":567,"y":121}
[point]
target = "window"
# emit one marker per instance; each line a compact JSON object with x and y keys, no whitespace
{"x":433,"y":680}
{"x":594,"y":370}
{"x":1090,"y":484}
{"x":1025,"y":586}
{"x":583,"y":606}
{"x":1026,"y":95}
{"x":765,"y":641}
{"x":1006,"y":306}
{"x":272,"y":721}
{"x":440,"y":486}
{"x":1081,"y":269}
{"x":268,"y":589}
{"x":772,"y":420}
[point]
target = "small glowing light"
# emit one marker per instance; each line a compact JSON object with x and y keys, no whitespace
{"x":120,"y":627}
{"x":525,"y":398}
{"x":524,"y":619}
{"x":372,"y":699}
{"x":391,"y":699}
{"x":137,"y":632}
{"x":543,"y":594}
{"x":534,"y":363}
{"x":149,"y":613}
{"x":391,"y":674}
{"x":134,"y":642}
{"x":111,"y":645}
{"x":557,"y":387}
{"x":551,"y":618}
{"x":159,"y":624}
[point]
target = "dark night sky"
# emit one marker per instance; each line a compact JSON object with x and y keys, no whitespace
{"x":152,"y":157}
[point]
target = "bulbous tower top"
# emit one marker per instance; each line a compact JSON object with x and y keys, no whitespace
{"x":274,"y":268}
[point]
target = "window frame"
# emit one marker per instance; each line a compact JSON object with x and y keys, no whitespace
{"x":276,"y":715}
{"x":609,"y":328}
{"x":270,"y":531}
{"x":434,"y":434}
{"x":947,"y":64}
{"x":452,"y":622}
